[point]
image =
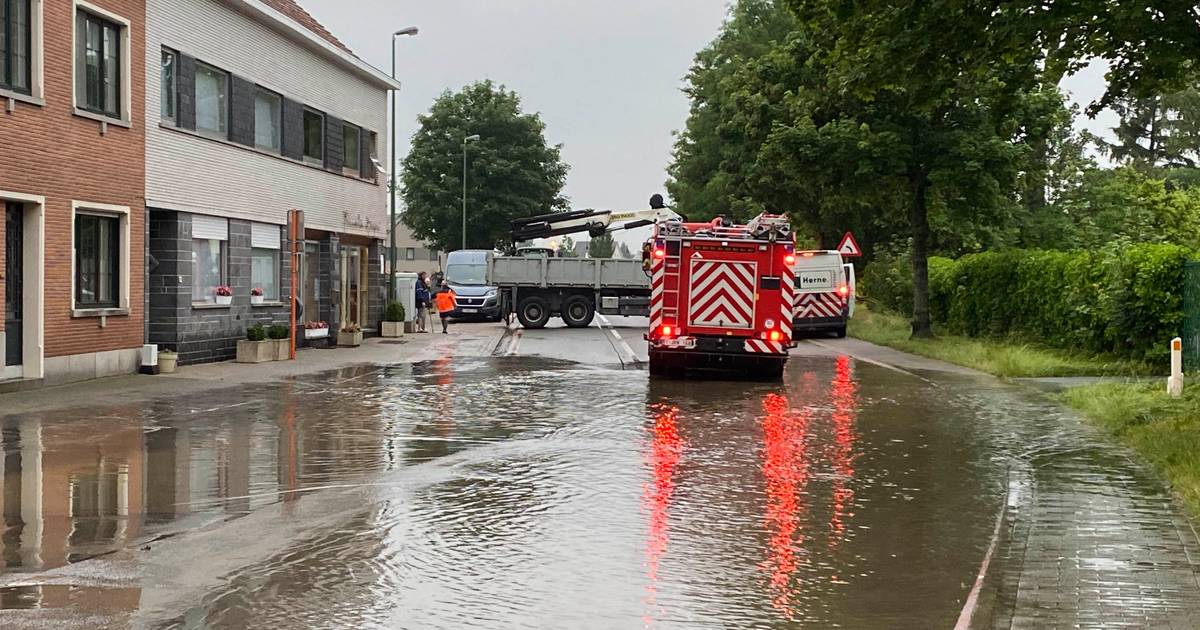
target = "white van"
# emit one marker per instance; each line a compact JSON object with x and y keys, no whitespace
{"x":824,"y":299}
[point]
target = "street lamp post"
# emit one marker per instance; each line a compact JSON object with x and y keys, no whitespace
{"x":391,"y":283}
{"x":467,"y":139}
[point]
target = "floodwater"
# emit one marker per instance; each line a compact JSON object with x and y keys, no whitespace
{"x":514,"y":493}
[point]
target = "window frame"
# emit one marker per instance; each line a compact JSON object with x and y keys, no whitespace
{"x":123,"y":95}
{"x":356,"y":171}
{"x":113,"y":256}
{"x":276,"y":259}
{"x":433,"y":255}
{"x":9,"y":25}
{"x":278,"y":148}
{"x":172,"y":90}
{"x":410,"y":253}
{"x":222,"y":133}
{"x":306,"y":158}
{"x":121,"y":276}
{"x":223,"y":268}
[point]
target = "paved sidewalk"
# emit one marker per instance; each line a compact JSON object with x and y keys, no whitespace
{"x":463,"y":340}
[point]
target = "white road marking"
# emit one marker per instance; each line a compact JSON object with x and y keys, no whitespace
{"x":871,"y":361}
{"x":972,"y":603}
{"x":606,"y":326}
{"x":514,"y":343}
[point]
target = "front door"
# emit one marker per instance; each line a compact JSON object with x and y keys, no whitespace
{"x":354,"y":285}
{"x":14,"y":214}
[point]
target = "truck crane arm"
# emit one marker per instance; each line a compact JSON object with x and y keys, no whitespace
{"x":594,"y":222}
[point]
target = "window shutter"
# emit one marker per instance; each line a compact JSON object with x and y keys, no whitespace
{"x":367,"y":147}
{"x":241,"y":109}
{"x":333,"y":144}
{"x":185,"y":81}
{"x":293,"y":129}
{"x":264,"y":236}
{"x":205,"y":227}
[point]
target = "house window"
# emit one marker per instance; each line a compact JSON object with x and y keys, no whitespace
{"x":433,"y":255}
{"x":410,"y":253}
{"x":209,"y":238}
{"x":98,"y":71}
{"x":268,"y":112}
{"x":212,"y":99}
{"x":351,"y":149}
{"x":314,"y":137}
{"x":16,"y":47}
{"x":167,"y":81}
{"x":264,"y":259}
{"x":97,"y":261}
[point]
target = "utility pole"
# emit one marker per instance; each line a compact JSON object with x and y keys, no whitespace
{"x":391,"y":281}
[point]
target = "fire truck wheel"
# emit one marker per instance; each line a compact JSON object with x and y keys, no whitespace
{"x":840,"y":332}
{"x":577,"y":311}
{"x":533,"y":312}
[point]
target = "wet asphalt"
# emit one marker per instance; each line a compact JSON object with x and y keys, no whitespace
{"x":552,"y":484}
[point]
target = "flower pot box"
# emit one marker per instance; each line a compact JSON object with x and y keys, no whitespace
{"x":167,"y":362}
{"x":393,"y":329}
{"x":256,"y":299}
{"x":224,"y":300}
{"x":255,"y":351}
{"x":349,"y":339}
{"x":316,"y":333}
{"x":410,"y":327}
{"x":283,"y":349}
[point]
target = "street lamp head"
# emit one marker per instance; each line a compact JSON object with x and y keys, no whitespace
{"x":471,"y":138}
{"x":412,"y":30}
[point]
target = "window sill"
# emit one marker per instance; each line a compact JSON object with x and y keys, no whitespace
{"x":268,"y":305}
{"x":24,"y":98}
{"x":200,"y":306}
{"x":83,"y":113}
{"x":78,"y":313}
{"x":268,"y":153}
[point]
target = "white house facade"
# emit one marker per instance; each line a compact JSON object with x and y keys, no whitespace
{"x":254,"y":109}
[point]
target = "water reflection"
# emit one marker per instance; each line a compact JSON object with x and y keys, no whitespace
{"x":665,"y":451}
{"x":785,"y":472}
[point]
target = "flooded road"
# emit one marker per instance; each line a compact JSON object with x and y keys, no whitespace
{"x":523,"y":492}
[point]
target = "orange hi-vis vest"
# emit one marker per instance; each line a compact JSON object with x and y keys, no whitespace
{"x":445,"y":301}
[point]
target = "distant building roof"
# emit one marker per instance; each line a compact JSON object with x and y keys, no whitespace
{"x":302,"y":17}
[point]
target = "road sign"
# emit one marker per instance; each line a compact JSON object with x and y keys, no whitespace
{"x":849,"y":246}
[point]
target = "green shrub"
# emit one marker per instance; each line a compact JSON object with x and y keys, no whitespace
{"x":887,"y":282}
{"x":256,"y":333}
{"x":278,"y":331}
{"x":394,"y":312}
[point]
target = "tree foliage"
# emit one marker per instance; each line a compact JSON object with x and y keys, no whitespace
{"x":1157,"y":131}
{"x":511,"y":171}
{"x":601,"y":246}
{"x":623,"y":251}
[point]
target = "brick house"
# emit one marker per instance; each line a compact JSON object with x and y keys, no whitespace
{"x":72,"y":184}
{"x":255,"y":109}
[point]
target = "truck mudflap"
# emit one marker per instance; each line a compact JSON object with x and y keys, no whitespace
{"x":728,"y":357}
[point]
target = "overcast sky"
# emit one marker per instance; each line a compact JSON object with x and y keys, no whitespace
{"x":605,"y":76}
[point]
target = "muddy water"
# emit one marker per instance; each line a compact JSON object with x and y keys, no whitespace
{"x":511,"y":493}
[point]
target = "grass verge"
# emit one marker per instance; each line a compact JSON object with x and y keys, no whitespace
{"x":1002,"y":358}
{"x":1163,"y":430}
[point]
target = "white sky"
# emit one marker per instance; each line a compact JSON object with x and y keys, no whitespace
{"x":605,"y":75}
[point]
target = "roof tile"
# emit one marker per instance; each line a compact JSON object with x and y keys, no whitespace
{"x":302,"y":17}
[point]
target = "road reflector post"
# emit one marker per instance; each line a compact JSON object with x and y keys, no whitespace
{"x":1175,"y":381}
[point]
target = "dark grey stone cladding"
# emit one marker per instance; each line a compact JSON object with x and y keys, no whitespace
{"x":331,"y":281}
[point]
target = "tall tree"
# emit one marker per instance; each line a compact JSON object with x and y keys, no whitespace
{"x":601,"y":246}
{"x":511,"y":172}
{"x":1157,"y":131}
{"x":566,"y":248}
{"x":623,"y":251}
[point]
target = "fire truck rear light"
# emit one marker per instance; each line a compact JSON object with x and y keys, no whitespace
{"x":667,"y":331}
{"x":790,"y":259}
{"x":660,"y":253}
{"x":776,"y":335}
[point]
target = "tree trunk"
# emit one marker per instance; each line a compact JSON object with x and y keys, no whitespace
{"x":918,"y":220}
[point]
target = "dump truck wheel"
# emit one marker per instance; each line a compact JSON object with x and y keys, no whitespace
{"x":533,"y":312}
{"x":578,"y":311}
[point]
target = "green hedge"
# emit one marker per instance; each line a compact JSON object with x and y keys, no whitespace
{"x":1123,"y":301}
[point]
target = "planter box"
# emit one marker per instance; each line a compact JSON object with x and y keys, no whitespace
{"x":256,"y":299}
{"x":410,"y":327}
{"x":224,"y":300}
{"x":167,"y":362}
{"x":349,"y":339}
{"x":393,"y":329}
{"x":283,"y":349}
{"x":316,"y":333}
{"x":255,"y":351}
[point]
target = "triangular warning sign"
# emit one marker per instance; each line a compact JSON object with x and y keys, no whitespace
{"x":849,"y":246}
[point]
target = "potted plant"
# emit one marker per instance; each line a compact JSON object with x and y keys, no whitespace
{"x":393,"y":320}
{"x":316,"y":330}
{"x":350,"y":336}
{"x":167,"y":360}
{"x":279,"y":334}
{"x":256,"y":295}
{"x":255,"y":348}
{"x":224,"y":295}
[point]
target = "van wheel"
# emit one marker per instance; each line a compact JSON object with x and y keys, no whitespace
{"x":533,"y":312}
{"x":577,"y":311}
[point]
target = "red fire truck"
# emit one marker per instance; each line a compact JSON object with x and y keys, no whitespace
{"x":721,"y":296}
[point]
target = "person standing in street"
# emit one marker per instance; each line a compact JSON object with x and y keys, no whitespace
{"x":424,"y":301}
{"x":445,"y":305}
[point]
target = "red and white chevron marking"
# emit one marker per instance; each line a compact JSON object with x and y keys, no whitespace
{"x":788,"y":303}
{"x":759,"y":346}
{"x":657,"y":269}
{"x":819,"y":305}
{"x":722,"y":294}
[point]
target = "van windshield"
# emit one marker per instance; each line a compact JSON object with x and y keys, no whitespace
{"x":466,"y":274}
